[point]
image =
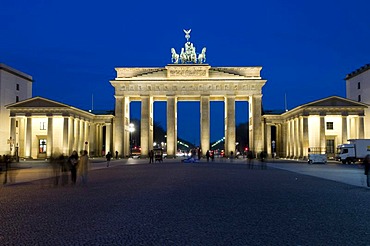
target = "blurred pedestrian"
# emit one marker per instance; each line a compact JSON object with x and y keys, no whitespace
{"x":73,"y":163}
{"x":116,"y":155}
{"x":7,"y":160}
{"x":250,"y":159}
{"x":108,"y":156}
{"x":207,"y":155}
{"x":366,"y":163}
{"x":151,"y":156}
{"x":83,"y":167}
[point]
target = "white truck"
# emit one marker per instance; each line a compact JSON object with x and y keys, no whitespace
{"x":354,"y":151}
{"x":317,"y":155}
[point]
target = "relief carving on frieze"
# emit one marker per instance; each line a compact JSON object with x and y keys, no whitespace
{"x":168,"y":87}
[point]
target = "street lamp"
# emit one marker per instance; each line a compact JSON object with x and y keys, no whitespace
{"x":131,"y":129}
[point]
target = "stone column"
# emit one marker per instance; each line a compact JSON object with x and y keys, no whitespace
{"x":22,"y":135}
{"x":344,"y":128}
{"x":291,"y":144}
{"x":97,"y":139}
{"x":120,"y":125}
{"x":305,"y":139}
{"x":87,"y":137}
{"x":205,"y":124}
{"x":108,"y":133}
{"x":268,"y":139}
{"x":296,"y":138}
{"x":322,"y":132}
{"x":300,"y":137}
{"x":80,"y":135}
{"x":171,"y":126}
{"x":289,"y":138}
{"x":146,"y":125}
{"x":229,"y":125}
{"x":255,"y":125}
{"x":279,"y":140}
{"x":292,"y":138}
{"x":65,"y":135}
{"x":361,"y":126}
{"x":126,"y":126}
{"x":49,"y":138}
{"x":12,"y":129}
{"x":13,"y":135}
{"x":72,"y":135}
{"x":84,"y":134}
{"x":283,"y":148}
{"x":28,"y":149}
{"x":74,"y":130}
{"x":92,"y":139}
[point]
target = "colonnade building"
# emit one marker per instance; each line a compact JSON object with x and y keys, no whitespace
{"x":41,"y":128}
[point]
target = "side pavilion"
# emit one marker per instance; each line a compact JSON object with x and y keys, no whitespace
{"x":318,"y":126}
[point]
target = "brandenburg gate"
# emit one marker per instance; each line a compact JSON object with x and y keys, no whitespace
{"x":188,"y":78}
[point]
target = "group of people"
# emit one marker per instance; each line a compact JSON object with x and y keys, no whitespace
{"x":75,"y":164}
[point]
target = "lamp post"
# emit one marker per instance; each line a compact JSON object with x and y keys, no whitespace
{"x":131,"y":129}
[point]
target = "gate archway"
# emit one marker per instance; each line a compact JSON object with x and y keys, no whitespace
{"x":186,"y":82}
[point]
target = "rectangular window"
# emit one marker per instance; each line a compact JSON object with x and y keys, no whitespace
{"x":17,"y":99}
{"x":359,"y":85}
{"x":359,"y":98}
{"x":17,"y":87}
{"x":42,"y":146}
{"x":329,"y":125}
{"x":42,"y":125}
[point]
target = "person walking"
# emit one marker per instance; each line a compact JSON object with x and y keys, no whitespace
{"x":199,"y":153}
{"x":109,"y":157}
{"x":250,"y":159}
{"x":73,"y":162}
{"x":366,"y":163}
{"x":116,"y":155}
{"x":207,"y":155}
{"x":83,"y":167}
{"x":151,"y":156}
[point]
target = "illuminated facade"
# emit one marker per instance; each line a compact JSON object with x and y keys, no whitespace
{"x":43,"y":128}
{"x":14,"y":86}
{"x":40,"y":128}
{"x":187,"y":82}
{"x":358,"y":89}
{"x":317,"y":126}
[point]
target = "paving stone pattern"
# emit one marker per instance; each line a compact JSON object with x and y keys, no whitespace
{"x":186,"y":204}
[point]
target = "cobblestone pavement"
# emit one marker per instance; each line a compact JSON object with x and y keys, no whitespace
{"x":185,"y":204}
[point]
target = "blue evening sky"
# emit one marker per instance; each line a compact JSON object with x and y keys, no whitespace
{"x":72,"y":47}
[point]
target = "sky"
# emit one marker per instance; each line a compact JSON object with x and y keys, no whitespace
{"x":71,"y":48}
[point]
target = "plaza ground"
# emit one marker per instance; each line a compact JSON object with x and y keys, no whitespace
{"x":172,"y":203}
